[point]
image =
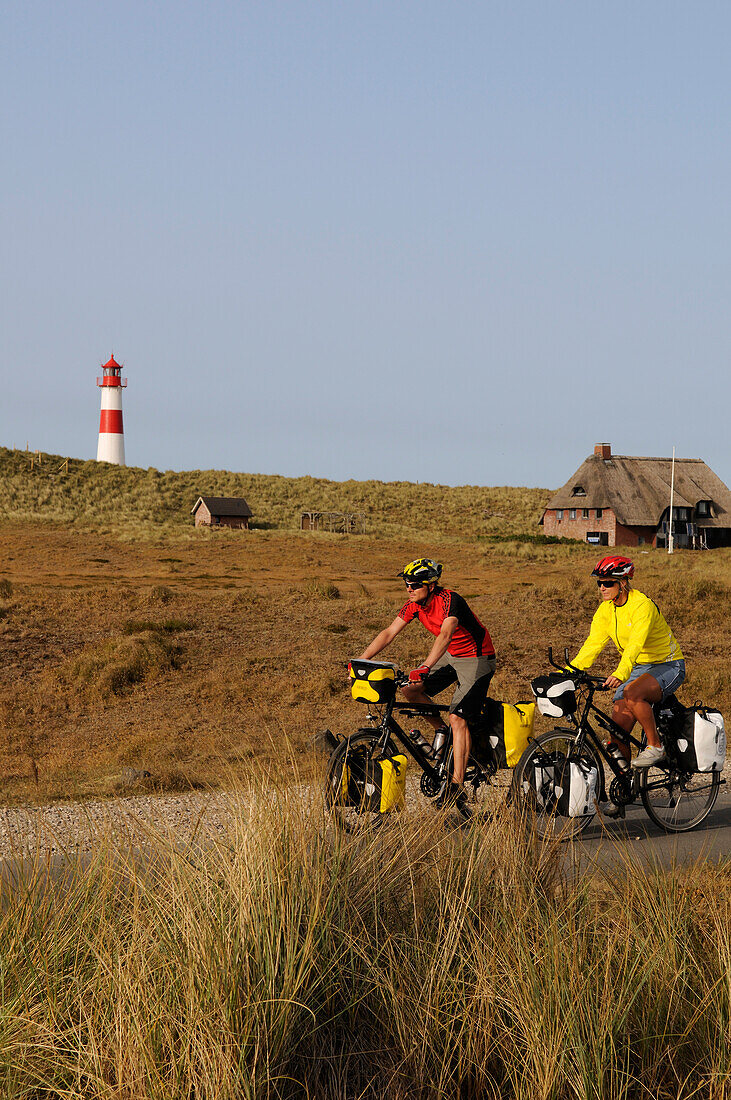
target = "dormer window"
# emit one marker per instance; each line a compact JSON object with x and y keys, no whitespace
{"x":578,"y":491}
{"x":703,"y":508}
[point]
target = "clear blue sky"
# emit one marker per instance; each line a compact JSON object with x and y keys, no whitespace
{"x":454,"y":242}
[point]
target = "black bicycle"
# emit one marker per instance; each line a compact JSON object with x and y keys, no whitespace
{"x":675,"y":799}
{"x":355,"y":756}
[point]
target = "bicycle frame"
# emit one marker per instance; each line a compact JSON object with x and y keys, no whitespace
{"x":388,"y":726}
{"x":586,"y":732}
{"x":628,"y":779}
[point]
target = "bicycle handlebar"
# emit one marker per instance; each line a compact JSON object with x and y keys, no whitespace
{"x":597,"y":681}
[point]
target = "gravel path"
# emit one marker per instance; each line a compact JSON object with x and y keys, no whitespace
{"x":77,"y":827}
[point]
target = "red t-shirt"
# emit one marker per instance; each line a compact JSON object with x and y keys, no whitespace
{"x":470,"y":639}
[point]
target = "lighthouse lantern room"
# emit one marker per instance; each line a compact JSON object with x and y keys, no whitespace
{"x":111,"y":431}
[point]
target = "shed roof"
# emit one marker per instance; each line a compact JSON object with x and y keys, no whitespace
{"x":638,"y":489}
{"x":223,"y":506}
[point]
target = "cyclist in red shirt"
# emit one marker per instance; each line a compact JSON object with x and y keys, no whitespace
{"x":462,"y":652}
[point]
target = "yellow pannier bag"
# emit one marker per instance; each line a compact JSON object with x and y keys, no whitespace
{"x":518,"y":719}
{"x":380,"y":787}
{"x":372,"y":682}
{"x":508,"y":727}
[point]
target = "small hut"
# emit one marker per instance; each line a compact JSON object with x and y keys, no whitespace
{"x":221,"y":512}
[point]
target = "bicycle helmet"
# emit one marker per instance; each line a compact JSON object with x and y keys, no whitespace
{"x":421,"y":569}
{"x":614,"y":568}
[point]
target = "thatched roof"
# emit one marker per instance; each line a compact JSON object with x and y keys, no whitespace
{"x":223,"y":506}
{"x":638,"y":489}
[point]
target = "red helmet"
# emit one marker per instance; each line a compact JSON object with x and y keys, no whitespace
{"x":614,"y":568}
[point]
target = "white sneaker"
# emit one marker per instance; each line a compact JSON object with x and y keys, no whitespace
{"x":649,"y":757}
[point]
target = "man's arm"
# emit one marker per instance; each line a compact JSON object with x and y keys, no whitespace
{"x":383,"y":639}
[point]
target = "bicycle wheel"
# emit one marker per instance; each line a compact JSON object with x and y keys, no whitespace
{"x":678,"y":801}
{"x":533,"y":792}
{"x":345,"y":794}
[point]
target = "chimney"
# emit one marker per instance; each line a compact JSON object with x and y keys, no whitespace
{"x":603,"y":450}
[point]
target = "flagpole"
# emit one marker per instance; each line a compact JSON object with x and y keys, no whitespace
{"x":672,"y":489}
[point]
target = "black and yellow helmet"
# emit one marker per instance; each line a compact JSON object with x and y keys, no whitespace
{"x":421,"y":569}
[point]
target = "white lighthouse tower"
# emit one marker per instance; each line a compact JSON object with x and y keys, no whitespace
{"x":111,"y":432}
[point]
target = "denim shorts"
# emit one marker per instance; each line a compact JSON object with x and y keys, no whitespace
{"x":669,"y":676}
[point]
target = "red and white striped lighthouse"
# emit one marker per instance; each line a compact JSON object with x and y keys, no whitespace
{"x":111,"y":432}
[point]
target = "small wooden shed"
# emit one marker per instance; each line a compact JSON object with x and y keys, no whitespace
{"x":221,"y":512}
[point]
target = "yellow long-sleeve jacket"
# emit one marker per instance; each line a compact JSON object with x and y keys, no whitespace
{"x":637,"y":629}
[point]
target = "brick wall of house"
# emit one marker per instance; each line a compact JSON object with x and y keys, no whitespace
{"x":577,"y":528}
{"x":630,"y":536}
{"x":617,"y":533}
{"x":240,"y":523}
{"x":202,"y":516}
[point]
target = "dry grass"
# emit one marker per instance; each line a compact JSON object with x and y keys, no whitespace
{"x":190,"y":658}
{"x":290,"y":961}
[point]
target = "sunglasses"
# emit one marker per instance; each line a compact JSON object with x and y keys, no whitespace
{"x":414,"y":585}
{"x":607,"y":584}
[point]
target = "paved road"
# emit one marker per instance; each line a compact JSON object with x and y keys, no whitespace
{"x":640,"y":838}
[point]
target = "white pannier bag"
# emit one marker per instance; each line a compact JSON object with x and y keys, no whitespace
{"x":576,"y":789}
{"x":701,"y":745}
{"x":541,"y":783}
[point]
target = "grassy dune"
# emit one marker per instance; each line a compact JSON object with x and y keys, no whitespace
{"x":290,"y":961}
{"x":144,"y":503}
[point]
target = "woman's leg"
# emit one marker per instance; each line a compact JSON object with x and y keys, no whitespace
{"x":636,"y":706}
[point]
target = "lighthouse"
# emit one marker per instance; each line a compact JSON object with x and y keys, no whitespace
{"x":111,"y":432}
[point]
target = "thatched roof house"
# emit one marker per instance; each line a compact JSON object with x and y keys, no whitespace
{"x":617,"y":500}
{"x":221,"y":512}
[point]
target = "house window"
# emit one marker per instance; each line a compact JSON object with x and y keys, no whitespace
{"x":572,"y":513}
{"x":598,"y":538}
{"x":578,"y":491}
{"x":584,"y":513}
{"x":599,"y":513}
{"x":559,"y":515}
{"x":703,"y":508}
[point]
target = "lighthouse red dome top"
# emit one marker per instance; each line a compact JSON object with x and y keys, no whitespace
{"x":112,"y":372}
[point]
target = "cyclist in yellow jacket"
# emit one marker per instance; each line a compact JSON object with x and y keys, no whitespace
{"x":651,"y":664}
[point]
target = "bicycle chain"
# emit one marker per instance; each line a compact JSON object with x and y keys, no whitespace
{"x":430,"y":787}
{"x":623,"y":790}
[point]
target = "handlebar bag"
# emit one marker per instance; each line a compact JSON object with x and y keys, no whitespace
{"x":576,"y":789}
{"x":700,"y":743}
{"x":372,"y":682}
{"x":379,"y":786}
{"x":555,"y":695}
{"x":504,"y":730}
